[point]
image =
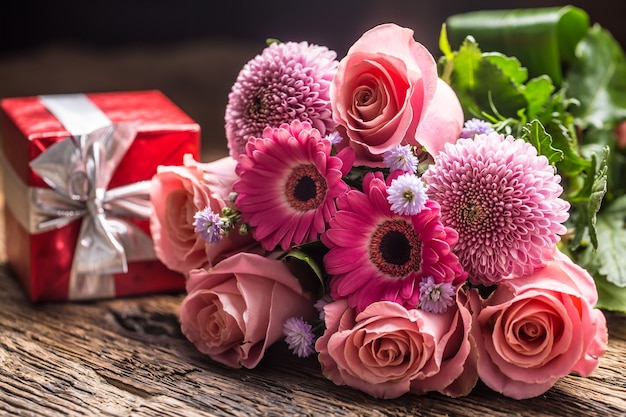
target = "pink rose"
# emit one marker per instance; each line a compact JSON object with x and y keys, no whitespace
{"x":387,"y":350}
{"x":538,"y":328}
{"x":177,"y":193}
{"x":234,"y":311}
{"x":386,"y":92}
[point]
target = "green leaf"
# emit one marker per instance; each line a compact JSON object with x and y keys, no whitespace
{"x":610,"y":296}
{"x":510,"y":66}
{"x":305,"y":262}
{"x":444,"y":44}
{"x":607,"y":263}
{"x":612,"y":233}
{"x":541,"y":38}
{"x":616,"y":178}
{"x":536,"y":135}
{"x":537,"y":92}
{"x":588,"y":200}
{"x":572,"y":163}
{"x":483,"y":84}
{"x":597,"y":78}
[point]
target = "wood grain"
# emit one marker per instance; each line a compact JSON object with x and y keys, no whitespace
{"x":127,"y":357}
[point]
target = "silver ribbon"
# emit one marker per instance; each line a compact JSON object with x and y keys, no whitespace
{"x":78,"y":170}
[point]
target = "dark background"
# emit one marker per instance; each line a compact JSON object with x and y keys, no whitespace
{"x":193,"y":50}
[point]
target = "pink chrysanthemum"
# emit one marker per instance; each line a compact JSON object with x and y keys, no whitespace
{"x":376,"y":254}
{"x":503,"y":200}
{"x":287,"y":185}
{"x":287,"y":81}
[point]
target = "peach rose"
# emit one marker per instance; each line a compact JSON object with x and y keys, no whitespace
{"x":234,"y":311}
{"x":535,"y":329}
{"x":386,"y":92}
{"x":387,"y":350}
{"x":177,"y":193}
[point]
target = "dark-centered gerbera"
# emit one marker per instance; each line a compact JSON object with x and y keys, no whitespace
{"x":287,"y":185}
{"x":379,"y":255}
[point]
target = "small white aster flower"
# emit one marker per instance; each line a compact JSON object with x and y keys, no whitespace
{"x":435,"y":298}
{"x":400,"y":158}
{"x":209,"y":224}
{"x":299,"y":336}
{"x":407,"y":195}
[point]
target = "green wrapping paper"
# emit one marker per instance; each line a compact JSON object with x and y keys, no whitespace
{"x":542,"y":39}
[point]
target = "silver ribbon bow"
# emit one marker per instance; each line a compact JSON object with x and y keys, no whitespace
{"x":78,"y":170}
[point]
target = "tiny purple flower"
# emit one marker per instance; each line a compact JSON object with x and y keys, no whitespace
{"x":400,"y":158}
{"x":407,"y":195}
{"x":334,"y":137}
{"x":299,"y":336}
{"x":435,"y":298}
{"x":476,"y":126}
{"x":209,"y":224}
{"x":319,"y":306}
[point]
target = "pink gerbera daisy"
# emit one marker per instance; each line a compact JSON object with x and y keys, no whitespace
{"x":376,"y":254}
{"x":287,"y":185}
{"x":287,"y":81}
{"x":503,"y":200}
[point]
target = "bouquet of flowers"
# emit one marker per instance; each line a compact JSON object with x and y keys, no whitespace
{"x":418,"y":224}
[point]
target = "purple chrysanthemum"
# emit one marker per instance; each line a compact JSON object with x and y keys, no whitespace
{"x":209,"y":224}
{"x":287,"y":81}
{"x":299,"y":336}
{"x":474,"y":126}
{"x":503,"y":200}
{"x":378,"y":255}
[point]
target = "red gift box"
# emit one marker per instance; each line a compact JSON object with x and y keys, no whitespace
{"x":43,"y":257}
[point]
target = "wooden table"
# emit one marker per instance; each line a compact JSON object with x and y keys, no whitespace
{"x":127,"y":357}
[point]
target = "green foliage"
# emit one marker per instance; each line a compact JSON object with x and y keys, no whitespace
{"x":598,"y":80}
{"x":607,"y":265}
